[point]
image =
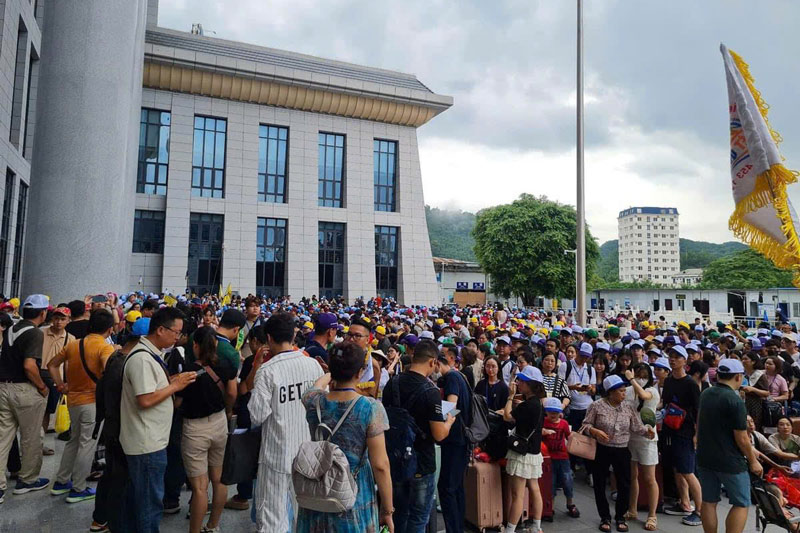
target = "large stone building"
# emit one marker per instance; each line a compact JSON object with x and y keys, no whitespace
{"x":649,"y":244}
{"x":167,"y":160}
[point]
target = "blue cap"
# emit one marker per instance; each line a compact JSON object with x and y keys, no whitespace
{"x":552,"y":405}
{"x":141,"y":327}
{"x":730,"y":366}
{"x":530,"y":373}
{"x":680,"y":350}
{"x":602,"y":346}
{"x":662,"y":362}
{"x":586,"y":349}
{"x":613,"y":382}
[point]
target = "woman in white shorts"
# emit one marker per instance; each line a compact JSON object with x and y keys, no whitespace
{"x":643,"y":394}
{"x":525,"y":464}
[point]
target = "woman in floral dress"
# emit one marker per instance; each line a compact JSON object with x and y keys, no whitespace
{"x":361,"y":439}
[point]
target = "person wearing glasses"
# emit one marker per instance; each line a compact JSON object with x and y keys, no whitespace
{"x":360,"y":333}
{"x":146,"y":419}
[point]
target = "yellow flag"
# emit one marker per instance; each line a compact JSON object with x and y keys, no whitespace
{"x":226,"y":300}
{"x":169,"y":300}
{"x":763,"y":217}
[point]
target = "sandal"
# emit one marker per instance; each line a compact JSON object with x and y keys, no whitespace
{"x":572,"y":510}
{"x":622,"y":526}
{"x":651,"y":524}
{"x":630,"y":515}
{"x":605,"y":526}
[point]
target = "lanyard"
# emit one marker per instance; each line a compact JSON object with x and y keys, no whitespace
{"x":579,"y":374}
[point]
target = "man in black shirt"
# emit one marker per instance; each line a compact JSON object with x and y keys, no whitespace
{"x":413,"y":499}
{"x":682,"y":391}
{"x":78,"y":326}
{"x":23,"y":395}
{"x":455,"y":453}
{"x":324,"y":333}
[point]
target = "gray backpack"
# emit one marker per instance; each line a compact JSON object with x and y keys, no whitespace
{"x":321,"y":473}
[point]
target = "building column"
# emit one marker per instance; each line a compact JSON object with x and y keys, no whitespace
{"x":80,"y":222}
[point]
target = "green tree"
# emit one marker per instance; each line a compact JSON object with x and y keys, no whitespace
{"x":521,"y":246}
{"x":450,"y":233}
{"x":744,"y":270}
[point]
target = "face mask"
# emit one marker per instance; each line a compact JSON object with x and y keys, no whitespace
{"x":641,"y":381}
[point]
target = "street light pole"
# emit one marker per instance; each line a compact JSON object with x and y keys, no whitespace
{"x":567,"y":252}
{"x":580,"y":257}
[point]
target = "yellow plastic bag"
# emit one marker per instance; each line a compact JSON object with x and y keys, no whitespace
{"x":62,"y":415}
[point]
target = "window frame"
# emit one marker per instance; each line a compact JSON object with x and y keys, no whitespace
{"x":144,"y":164}
{"x":390,"y":186}
{"x":265,"y":177}
{"x":323,"y":199}
{"x":215,"y":170}
{"x":152,"y":244}
{"x":387,"y":268}
{"x":262,"y":246}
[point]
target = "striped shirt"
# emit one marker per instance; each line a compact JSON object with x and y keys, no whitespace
{"x":275,"y":405}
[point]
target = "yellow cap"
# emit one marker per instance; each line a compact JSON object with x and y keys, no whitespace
{"x":490,"y":327}
{"x":346,"y":329}
{"x":133,"y":316}
{"x":381,"y":330}
{"x":440,"y":321}
{"x":308,"y":325}
{"x":14,"y":302}
{"x":474,"y":320}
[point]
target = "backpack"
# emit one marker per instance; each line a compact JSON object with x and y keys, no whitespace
{"x":321,"y":473}
{"x":402,"y":433}
{"x":570,"y":364}
{"x":108,"y":396}
{"x":478,"y":429}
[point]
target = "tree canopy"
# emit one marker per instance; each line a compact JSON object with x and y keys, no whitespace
{"x":450,"y":233}
{"x":521,"y":246}
{"x":744,"y":270}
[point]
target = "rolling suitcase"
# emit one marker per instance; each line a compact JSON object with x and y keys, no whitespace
{"x":546,"y":488}
{"x":484,"y":495}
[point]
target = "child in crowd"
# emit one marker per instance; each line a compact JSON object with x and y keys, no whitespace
{"x":554,"y":435}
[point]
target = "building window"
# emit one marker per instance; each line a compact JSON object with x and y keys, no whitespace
{"x":385,"y":174}
{"x":148,"y":232}
{"x":19,"y":237}
{"x":151,"y":177}
{"x":205,"y":252}
{"x":5,"y":228}
{"x":386,"y":260}
{"x":331,"y":259}
{"x":331,"y":170}
{"x":271,"y":256}
{"x":17,"y":96}
{"x":208,"y":157}
{"x":272,"y":152}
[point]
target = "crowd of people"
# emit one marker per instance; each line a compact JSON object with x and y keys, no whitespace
{"x":154,"y":387}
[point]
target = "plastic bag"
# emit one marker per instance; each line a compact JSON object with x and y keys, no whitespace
{"x":62,"y":416}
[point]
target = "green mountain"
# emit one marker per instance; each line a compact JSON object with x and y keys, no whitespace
{"x":450,"y":233}
{"x":694,"y":254}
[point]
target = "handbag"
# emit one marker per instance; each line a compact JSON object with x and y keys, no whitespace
{"x":674,"y":416}
{"x":62,"y":416}
{"x":771,"y":411}
{"x":240,"y":463}
{"x":518,"y":444}
{"x":581,"y":445}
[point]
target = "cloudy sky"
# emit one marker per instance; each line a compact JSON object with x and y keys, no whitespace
{"x":656,"y":115}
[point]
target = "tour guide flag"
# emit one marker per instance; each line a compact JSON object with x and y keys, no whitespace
{"x":764,"y":217}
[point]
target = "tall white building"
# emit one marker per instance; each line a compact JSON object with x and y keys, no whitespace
{"x":649,"y":244}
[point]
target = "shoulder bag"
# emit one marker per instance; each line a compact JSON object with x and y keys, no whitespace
{"x":581,"y":445}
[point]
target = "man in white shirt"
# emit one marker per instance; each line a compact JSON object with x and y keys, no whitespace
{"x":146,"y":419}
{"x":275,"y":405}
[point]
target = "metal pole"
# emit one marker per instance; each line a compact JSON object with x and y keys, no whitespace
{"x":580,"y":288}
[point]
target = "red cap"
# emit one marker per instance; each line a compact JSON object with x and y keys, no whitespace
{"x":63,"y":311}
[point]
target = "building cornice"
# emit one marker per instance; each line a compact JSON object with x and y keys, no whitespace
{"x":176,"y":69}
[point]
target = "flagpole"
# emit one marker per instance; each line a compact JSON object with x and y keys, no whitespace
{"x":580,"y":256}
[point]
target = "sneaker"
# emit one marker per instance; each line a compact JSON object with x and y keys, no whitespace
{"x":60,"y":488}
{"x":86,"y":494}
{"x":2,"y":496}
{"x":24,"y":488}
{"x":677,"y":510}
{"x":172,"y":508}
{"x":48,"y":451}
{"x":692,"y":519}
{"x":238,"y":504}
{"x":99,"y":528}
{"x":207,"y":529}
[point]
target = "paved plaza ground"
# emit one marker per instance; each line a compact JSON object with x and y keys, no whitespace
{"x":39,"y":512}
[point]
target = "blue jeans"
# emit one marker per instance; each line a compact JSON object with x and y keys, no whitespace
{"x":413,"y":501}
{"x":562,"y":474}
{"x":451,"y":486}
{"x":145,"y":492}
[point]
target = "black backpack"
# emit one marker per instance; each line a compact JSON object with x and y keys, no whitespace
{"x":109,"y":397}
{"x":402,"y":433}
{"x":478,"y":429}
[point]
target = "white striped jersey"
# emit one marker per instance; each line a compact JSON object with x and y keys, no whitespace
{"x":275,"y":405}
